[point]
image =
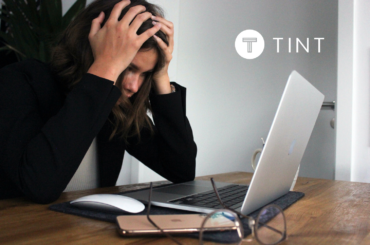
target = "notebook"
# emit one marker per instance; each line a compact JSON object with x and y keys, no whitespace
{"x":284,"y":147}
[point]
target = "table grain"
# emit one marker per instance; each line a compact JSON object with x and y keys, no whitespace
{"x":332,"y":212}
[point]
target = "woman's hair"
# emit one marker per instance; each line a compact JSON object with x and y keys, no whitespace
{"x":72,"y":57}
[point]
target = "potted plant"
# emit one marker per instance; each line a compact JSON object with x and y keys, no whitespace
{"x":33,"y":26}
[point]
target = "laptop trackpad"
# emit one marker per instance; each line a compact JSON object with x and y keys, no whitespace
{"x":183,"y":189}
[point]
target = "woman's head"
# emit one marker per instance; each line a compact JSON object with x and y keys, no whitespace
{"x":72,"y":58}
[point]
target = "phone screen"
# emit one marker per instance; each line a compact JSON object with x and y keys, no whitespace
{"x":183,"y":223}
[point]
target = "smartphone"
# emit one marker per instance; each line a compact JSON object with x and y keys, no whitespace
{"x":138,"y":225}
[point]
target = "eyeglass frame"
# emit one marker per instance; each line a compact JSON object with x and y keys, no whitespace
{"x":251,"y":221}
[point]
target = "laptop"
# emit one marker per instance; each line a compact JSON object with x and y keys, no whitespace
{"x":285,"y":144}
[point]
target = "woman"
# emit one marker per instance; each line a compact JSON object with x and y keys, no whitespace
{"x":109,"y":69}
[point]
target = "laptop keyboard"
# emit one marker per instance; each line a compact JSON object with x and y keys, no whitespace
{"x":232,"y":196}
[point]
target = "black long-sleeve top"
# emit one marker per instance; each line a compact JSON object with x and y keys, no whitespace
{"x":44,"y":134}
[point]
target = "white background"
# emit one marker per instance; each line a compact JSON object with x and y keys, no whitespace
{"x":353,"y":135}
{"x":231,"y":101}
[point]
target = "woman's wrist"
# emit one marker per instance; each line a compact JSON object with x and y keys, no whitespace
{"x":104,"y":71}
{"x":162,"y":85}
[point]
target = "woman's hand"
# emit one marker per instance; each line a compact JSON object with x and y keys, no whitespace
{"x":161,"y":78}
{"x":115,"y":44}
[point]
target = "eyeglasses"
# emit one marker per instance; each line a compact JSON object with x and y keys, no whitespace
{"x":267,"y":234}
{"x":152,"y":222}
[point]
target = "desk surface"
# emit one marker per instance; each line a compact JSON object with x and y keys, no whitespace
{"x":332,"y":212}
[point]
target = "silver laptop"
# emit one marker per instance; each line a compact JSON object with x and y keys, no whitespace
{"x":284,"y":147}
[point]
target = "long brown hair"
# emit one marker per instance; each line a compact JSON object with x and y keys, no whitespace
{"x":72,"y":58}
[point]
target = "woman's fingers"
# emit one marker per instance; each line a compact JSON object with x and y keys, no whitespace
{"x":168,"y":29}
{"x":163,"y":20}
{"x":96,"y":24}
{"x":161,"y":78}
{"x":161,"y":43}
{"x":131,"y":14}
{"x":149,"y":33}
{"x":117,"y":9}
{"x":138,"y":21}
{"x":116,"y":43}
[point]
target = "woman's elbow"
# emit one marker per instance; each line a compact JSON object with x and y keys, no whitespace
{"x":188,"y":172}
{"x":45,"y":199}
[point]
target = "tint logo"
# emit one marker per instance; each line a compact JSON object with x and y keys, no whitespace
{"x":299,"y":44}
{"x":249,"y":44}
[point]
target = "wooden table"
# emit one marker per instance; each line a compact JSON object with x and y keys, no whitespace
{"x":332,"y":212}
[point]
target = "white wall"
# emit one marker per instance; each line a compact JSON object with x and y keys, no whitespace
{"x":344,"y":123}
{"x":361,"y":95}
{"x":231,"y":101}
{"x":354,"y":42}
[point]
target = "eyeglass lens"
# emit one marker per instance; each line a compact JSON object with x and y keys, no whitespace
{"x":222,"y":225}
{"x":270,"y":225}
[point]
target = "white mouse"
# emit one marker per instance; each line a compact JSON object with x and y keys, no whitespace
{"x":109,"y":202}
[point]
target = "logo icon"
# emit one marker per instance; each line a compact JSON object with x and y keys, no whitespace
{"x":249,"y":44}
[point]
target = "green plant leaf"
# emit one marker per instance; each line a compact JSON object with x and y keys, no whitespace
{"x":32,"y":31}
{"x":52,"y":14}
{"x":7,"y":39}
{"x":9,"y":47}
{"x":4,"y":18}
{"x":29,"y":9}
{"x":12,"y":8}
{"x":3,"y":11}
{"x":4,"y":48}
{"x":22,"y":35}
{"x":58,"y":10}
{"x":44,"y":15}
{"x":42,"y":53}
{"x":33,"y":7}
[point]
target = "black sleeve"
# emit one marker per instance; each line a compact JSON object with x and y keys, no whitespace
{"x":40,"y":156}
{"x":171,"y":151}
